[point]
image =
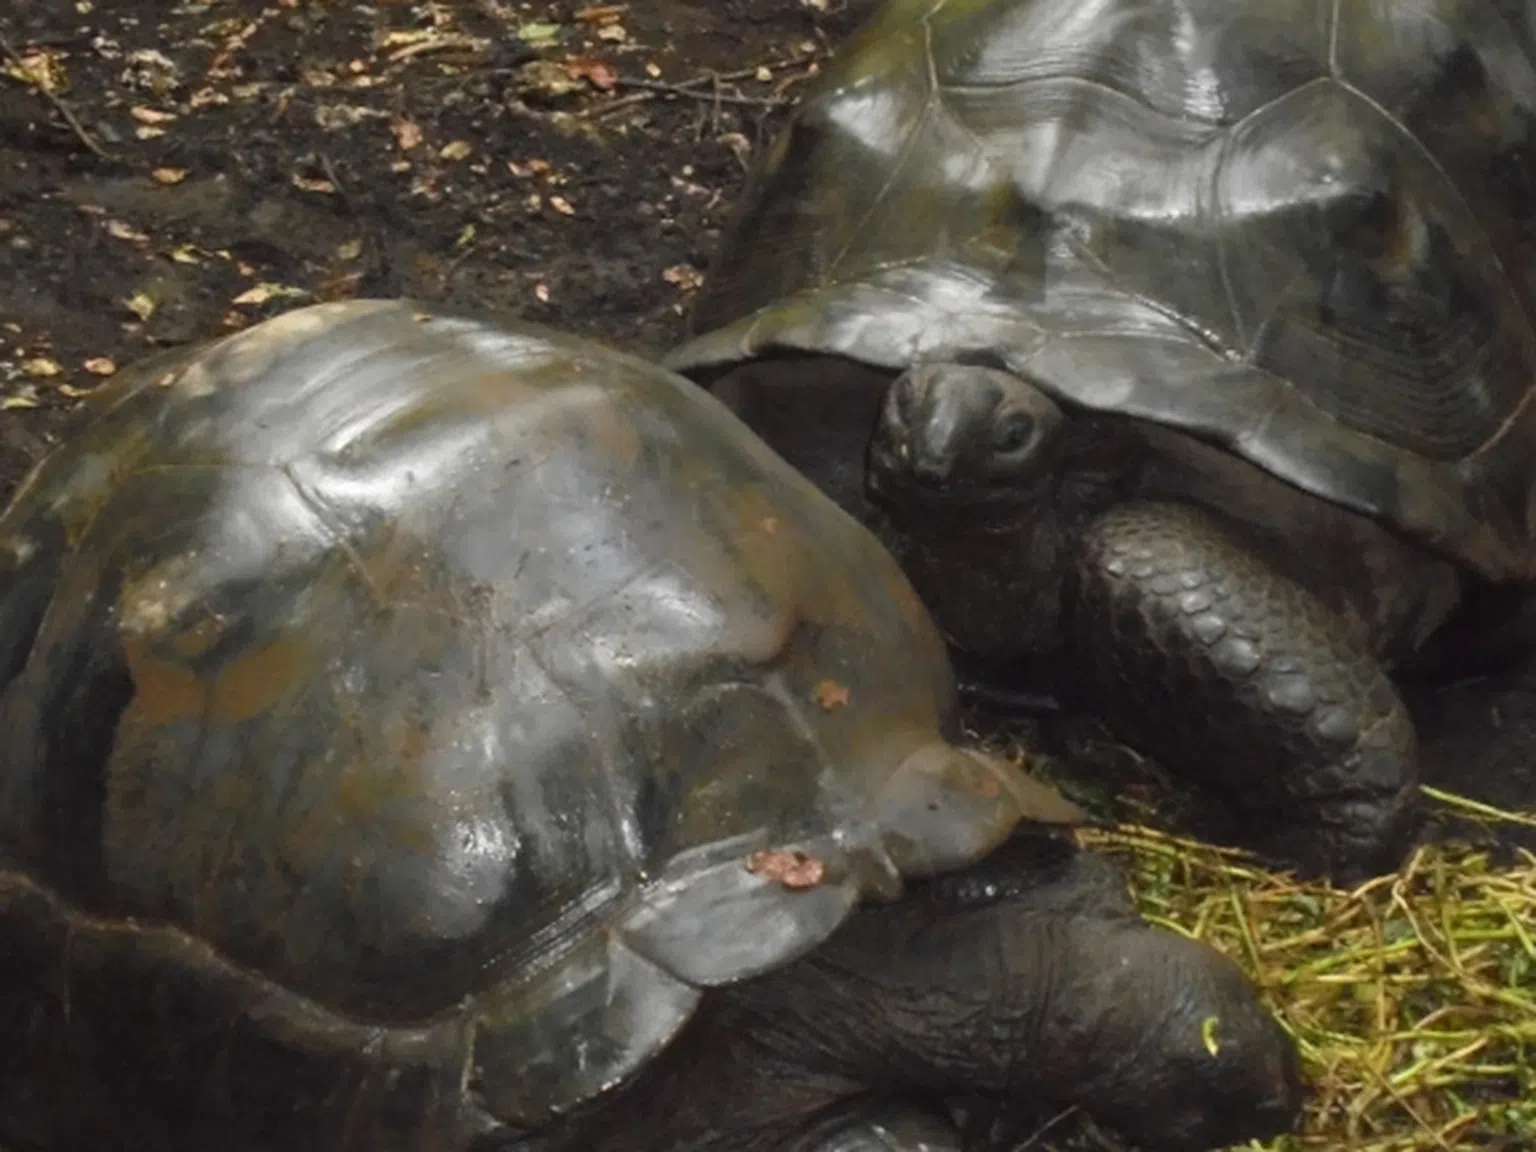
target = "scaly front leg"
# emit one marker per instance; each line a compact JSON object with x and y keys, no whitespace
{"x":1202,"y":655}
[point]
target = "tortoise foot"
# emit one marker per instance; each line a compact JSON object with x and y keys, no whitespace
{"x":1197,"y":652}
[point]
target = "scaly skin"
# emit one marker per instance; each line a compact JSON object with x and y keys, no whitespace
{"x":1198,"y":653}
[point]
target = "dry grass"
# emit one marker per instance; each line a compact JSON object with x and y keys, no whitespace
{"x":1413,"y":997}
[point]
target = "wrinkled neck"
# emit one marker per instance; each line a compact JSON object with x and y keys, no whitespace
{"x":992,"y":580}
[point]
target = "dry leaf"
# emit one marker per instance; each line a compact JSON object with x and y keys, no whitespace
{"x":185,"y":254}
{"x":595,"y":72}
{"x":537,"y":33}
{"x":122,"y":231}
{"x":601,"y":13}
{"x":311,"y":184}
{"x":261,"y":293}
{"x":685,"y":276}
{"x":561,"y":205}
{"x":547,"y":77}
{"x":141,"y":304}
{"x":148,"y":133}
{"x":75,"y":393}
{"x":541,"y":291}
{"x":39,"y":69}
{"x":169,"y":175}
{"x":41,"y":367}
{"x":407,"y":134}
{"x":830,"y":694}
{"x":100,"y":366}
{"x":150,"y":115}
{"x":400,"y":37}
{"x":23,"y":399}
{"x":456,"y":150}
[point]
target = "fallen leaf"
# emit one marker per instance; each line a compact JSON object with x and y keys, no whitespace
{"x":548,"y":78}
{"x":25,"y":399}
{"x":148,"y":133}
{"x":39,"y":69}
{"x":541,"y":291}
{"x":100,"y":366}
{"x":169,"y":175}
{"x":615,"y":32}
{"x":150,"y":115}
{"x":122,"y":231}
{"x":407,"y":134}
{"x":261,"y":293}
{"x":74,"y":393}
{"x":456,"y":150}
{"x":141,"y":304}
{"x":41,"y":367}
{"x":653,"y":70}
{"x":737,"y":143}
{"x":561,"y":205}
{"x":536,"y":32}
{"x":312,"y":184}
{"x":830,"y":694}
{"x":685,"y":276}
{"x":599,"y":13}
{"x":350,"y":250}
{"x":399,"y":37}
{"x":595,"y":72}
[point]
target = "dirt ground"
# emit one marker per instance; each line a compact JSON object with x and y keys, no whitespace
{"x":169,"y":172}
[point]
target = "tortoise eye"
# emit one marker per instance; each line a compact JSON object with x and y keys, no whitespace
{"x":1014,"y":434}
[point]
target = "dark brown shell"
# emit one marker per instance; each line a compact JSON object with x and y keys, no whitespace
{"x":1301,"y":229}
{"x":394,"y":702}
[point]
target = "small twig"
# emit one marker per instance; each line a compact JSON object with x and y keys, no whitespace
{"x":711,"y":97}
{"x":650,"y":89}
{"x":58,"y":103}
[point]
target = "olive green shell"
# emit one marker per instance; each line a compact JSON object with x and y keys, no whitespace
{"x":394,"y":702}
{"x":1301,"y":229}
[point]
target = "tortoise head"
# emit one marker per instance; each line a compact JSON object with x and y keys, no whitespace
{"x":961,"y":434}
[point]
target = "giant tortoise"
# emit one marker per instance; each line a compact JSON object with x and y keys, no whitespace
{"x":425,"y":733}
{"x":1189,"y":340}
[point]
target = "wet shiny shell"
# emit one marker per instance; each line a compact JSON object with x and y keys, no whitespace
{"x":1303,"y":229}
{"x":394,"y":701}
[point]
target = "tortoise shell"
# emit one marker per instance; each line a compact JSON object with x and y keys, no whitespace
{"x":409,"y":709}
{"x":1299,"y":229}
